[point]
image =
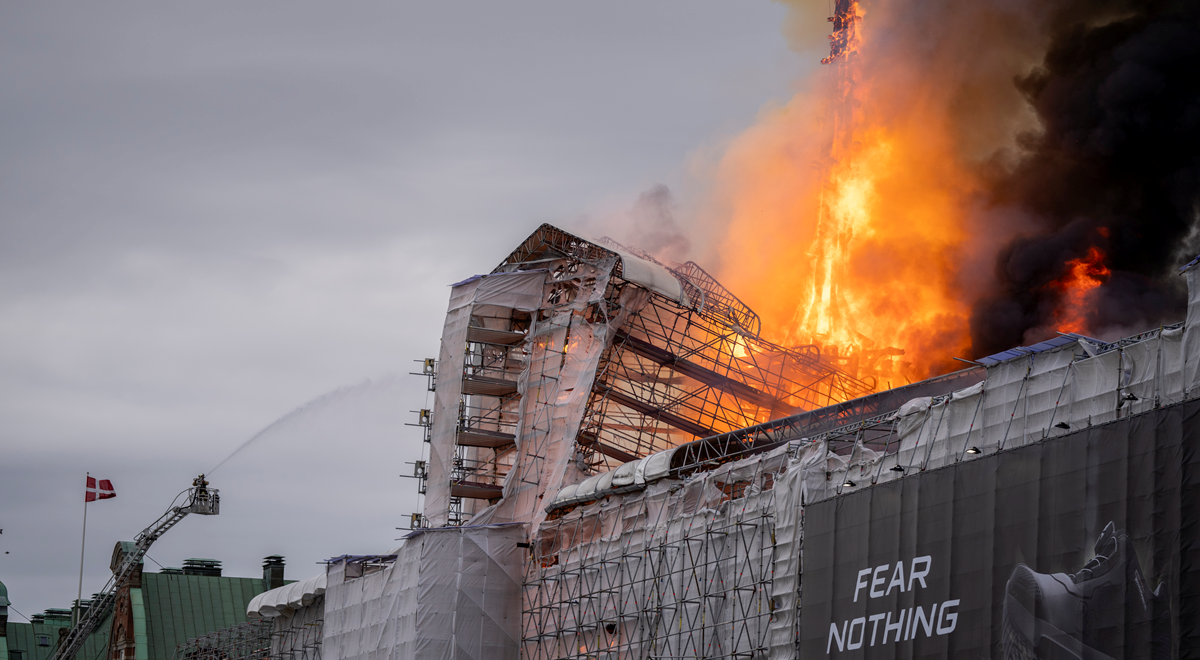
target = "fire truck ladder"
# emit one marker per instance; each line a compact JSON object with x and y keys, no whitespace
{"x":199,"y":499}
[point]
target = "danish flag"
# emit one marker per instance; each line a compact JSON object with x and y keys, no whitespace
{"x":103,"y":492}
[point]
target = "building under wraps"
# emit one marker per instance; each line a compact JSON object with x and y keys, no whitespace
{"x":621,"y":467}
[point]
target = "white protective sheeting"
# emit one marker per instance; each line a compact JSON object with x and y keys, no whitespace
{"x":564,"y":350}
{"x":652,"y":276}
{"x":624,"y":475}
{"x":451,"y":358}
{"x":789,"y":553}
{"x":280,"y":601}
{"x":1191,"y":335}
{"x":658,"y":465}
{"x":1171,"y":366}
{"x":587,"y":488}
{"x":605,"y":482}
{"x":1023,"y":400}
{"x":1094,"y":385}
{"x":452,"y":593}
{"x":524,"y":291}
{"x":639,"y":472}
{"x":566,"y":493}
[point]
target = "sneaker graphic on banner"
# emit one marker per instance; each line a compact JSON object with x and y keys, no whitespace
{"x":1105,"y":610}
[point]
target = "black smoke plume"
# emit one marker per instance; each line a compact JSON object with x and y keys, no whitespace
{"x":1115,"y":165}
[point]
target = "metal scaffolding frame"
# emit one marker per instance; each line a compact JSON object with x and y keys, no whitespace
{"x":244,"y":641}
{"x":676,"y":571}
{"x":725,"y":447}
{"x":301,"y":640}
{"x":676,"y":370}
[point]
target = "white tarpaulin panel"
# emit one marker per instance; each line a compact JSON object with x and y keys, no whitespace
{"x":564,"y":352}
{"x":789,"y":553}
{"x":652,"y":276}
{"x":445,"y":405}
{"x":453,"y":593}
{"x":1095,"y":387}
{"x":1171,"y":365}
{"x":1022,"y":400}
{"x":523,"y":291}
{"x":278,"y":602}
{"x":1003,"y":394}
{"x":1191,"y":335}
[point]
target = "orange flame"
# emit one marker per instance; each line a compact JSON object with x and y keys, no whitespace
{"x":848,"y":210}
{"x":1083,"y":276}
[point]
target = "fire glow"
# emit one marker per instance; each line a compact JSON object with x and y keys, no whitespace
{"x":849,"y":202}
{"x":1083,"y":277}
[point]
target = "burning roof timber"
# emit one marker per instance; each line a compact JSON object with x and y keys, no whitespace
{"x":575,"y":359}
{"x":575,"y":356}
{"x":689,"y":541}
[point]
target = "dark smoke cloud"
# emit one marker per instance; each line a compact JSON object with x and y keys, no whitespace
{"x":1115,"y":165}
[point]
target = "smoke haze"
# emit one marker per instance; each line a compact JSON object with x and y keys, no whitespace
{"x":1114,"y":165}
{"x":995,"y":145}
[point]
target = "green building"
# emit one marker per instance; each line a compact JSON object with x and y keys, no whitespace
{"x":153,"y":614}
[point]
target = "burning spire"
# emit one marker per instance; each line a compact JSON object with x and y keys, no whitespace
{"x":827,"y":314}
{"x":911,"y":195}
{"x":824,"y":314}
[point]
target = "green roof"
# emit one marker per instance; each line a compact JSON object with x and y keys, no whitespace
{"x":24,"y":637}
{"x":175,"y":608}
{"x":183,"y":607}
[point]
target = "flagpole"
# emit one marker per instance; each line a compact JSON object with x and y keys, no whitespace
{"x":82,"y":544}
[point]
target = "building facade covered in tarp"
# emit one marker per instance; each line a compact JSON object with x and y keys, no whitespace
{"x":620,"y":467}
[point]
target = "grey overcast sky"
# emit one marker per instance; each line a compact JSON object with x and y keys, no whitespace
{"x":212,"y":213}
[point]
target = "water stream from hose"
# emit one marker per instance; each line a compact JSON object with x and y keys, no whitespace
{"x":332,"y":396}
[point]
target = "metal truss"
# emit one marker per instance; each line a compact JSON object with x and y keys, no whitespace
{"x":669,"y":573}
{"x":724,"y":447}
{"x":299,"y":641}
{"x":244,"y":641}
{"x":676,"y":371}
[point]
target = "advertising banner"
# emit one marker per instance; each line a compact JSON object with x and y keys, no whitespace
{"x":1082,"y":546}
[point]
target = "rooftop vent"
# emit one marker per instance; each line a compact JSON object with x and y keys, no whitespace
{"x":171,"y":570}
{"x":210,"y":567}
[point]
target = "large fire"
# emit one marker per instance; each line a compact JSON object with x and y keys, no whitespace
{"x":1083,"y":276}
{"x":847,"y":207}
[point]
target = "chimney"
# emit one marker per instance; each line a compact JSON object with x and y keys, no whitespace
{"x":197,"y":566}
{"x":3,"y":611}
{"x":272,"y":572}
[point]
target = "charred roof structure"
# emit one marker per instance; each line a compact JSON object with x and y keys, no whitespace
{"x":595,"y":354}
{"x":621,"y":467}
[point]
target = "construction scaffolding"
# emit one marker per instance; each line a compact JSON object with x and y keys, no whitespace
{"x":574,"y":357}
{"x":279,"y":638}
{"x":678,"y":571}
{"x":636,"y":464}
{"x":689,"y":553}
{"x":244,"y":641}
{"x":298,"y":637}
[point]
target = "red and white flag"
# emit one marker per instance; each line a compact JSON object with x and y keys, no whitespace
{"x":103,"y":491}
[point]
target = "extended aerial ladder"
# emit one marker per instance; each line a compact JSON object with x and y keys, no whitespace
{"x":199,"y":499}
